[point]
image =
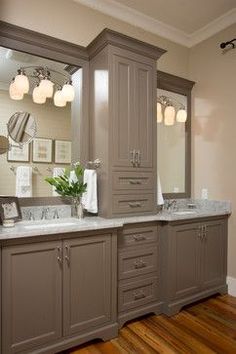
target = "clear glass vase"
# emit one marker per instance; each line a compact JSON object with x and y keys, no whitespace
{"x":77,"y":208}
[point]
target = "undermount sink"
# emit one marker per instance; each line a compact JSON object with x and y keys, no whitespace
{"x":47,"y":225}
{"x":185,"y":212}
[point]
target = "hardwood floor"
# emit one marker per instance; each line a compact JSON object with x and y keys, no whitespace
{"x":206,"y":327}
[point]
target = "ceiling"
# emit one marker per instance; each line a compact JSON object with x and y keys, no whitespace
{"x":186,"y":15}
{"x":187,"y":22}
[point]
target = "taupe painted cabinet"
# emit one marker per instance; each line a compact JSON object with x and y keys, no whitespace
{"x":195,"y":261}
{"x":133,"y":112}
{"x":123,"y":123}
{"x":139,"y":286}
{"x":55,"y":290}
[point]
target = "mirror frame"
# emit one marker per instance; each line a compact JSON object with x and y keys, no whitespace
{"x":34,"y":43}
{"x":176,"y":84}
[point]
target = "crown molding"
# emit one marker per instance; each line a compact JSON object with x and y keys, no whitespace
{"x":219,"y":24}
{"x":138,"y":19}
{"x":149,"y":24}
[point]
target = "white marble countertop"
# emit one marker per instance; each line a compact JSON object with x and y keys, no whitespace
{"x":68,"y":225}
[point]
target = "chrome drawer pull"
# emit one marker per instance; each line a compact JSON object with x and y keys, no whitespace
{"x":132,"y":157}
{"x":67,"y":256}
{"x":135,"y":205}
{"x":136,"y":158}
{"x":140,"y":264}
{"x":139,"y":295}
{"x":139,"y":157}
{"x":59,"y":257}
{"x":132,"y":181}
{"x":139,"y":237}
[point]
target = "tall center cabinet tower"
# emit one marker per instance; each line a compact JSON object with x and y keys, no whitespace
{"x":123,"y":122}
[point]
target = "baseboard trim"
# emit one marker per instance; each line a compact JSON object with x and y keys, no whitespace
{"x":231,"y":286}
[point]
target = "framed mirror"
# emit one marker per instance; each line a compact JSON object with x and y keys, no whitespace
{"x":38,"y":109}
{"x":174,"y":135}
{"x":22,"y":127}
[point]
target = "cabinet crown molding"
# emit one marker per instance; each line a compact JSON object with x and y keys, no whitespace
{"x":23,"y":39}
{"x":117,"y":39}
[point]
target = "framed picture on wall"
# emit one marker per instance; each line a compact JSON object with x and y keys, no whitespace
{"x":18,"y":153}
{"x":10,"y":209}
{"x":42,"y":150}
{"x":62,"y":151}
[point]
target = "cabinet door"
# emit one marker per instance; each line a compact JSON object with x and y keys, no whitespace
{"x":144,"y":112}
{"x":124,"y":127}
{"x":214,"y":245}
{"x":87,"y":283}
{"x":184,"y":258}
{"x":31,"y":297}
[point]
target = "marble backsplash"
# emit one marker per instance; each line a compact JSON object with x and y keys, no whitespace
{"x":64,"y":211}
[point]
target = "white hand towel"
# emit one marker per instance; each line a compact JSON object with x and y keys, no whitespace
{"x":57,"y":171}
{"x":23,"y":181}
{"x":89,"y":199}
{"x":160,"y":200}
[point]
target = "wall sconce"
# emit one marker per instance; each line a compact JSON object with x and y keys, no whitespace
{"x":43,"y":83}
{"x":170,"y":111}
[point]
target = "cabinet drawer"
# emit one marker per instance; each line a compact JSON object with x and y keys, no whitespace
{"x":133,"y":204}
{"x":137,"y":262}
{"x":132,"y":236}
{"x":132,"y":180}
{"x":137,"y":293}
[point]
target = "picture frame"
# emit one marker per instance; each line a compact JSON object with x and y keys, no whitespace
{"x":10,"y":209}
{"x":62,"y":152}
{"x":17,"y":153}
{"x":42,"y":150}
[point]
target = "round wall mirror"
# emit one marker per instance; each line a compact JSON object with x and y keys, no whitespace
{"x":4,"y":145}
{"x":22,"y":127}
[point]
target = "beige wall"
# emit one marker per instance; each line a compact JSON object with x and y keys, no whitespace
{"x":79,"y":24}
{"x":214,"y":125}
{"x":52,"y":122}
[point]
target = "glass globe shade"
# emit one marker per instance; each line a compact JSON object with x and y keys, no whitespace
{"x":15,"y":94}
{"x":181,"y":115}
{"x":46,"y":87}
{"x":68,"y":92}
{"x":38,"y":97}
{"x":22,"y":83}
{"x":169,"y":115}
{"x":59,"y":99}
{"x":159,"y":113}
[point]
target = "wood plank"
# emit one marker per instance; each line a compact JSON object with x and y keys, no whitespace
{"x":206,"y":327}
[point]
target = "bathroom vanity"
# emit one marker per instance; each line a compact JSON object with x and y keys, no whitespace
{"x":65,"y":282}
{"x":80,"y":280}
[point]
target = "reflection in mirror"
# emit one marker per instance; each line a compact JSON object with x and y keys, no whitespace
{"x":22,"y":127}
{"x":171,"y":141}
{"x":4,"y":145}
{"x":36,"y":153}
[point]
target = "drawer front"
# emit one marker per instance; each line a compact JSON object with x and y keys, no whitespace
{"x":133,"y":204}
{"x":138,"y":236}
{"x":137,"y":293}
{"x":132,"y":180}
{"x":141,"y":260}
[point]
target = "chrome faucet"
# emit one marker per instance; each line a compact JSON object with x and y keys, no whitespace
{"x":55,"y":214}
{"x":171,"y":204}
{"x":45,"y":212}
{"x":31,"y":216}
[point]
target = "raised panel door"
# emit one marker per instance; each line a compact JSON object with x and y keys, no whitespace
{"x":124,"y":126}
{"x":214,"y":243}
{"x":185,"y":261}
{"x":144,"y":113}
{"x":31,"y":297}
{"x":87,"y":283}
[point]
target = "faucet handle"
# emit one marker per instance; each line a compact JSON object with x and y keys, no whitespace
{"x":55,"y":215}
